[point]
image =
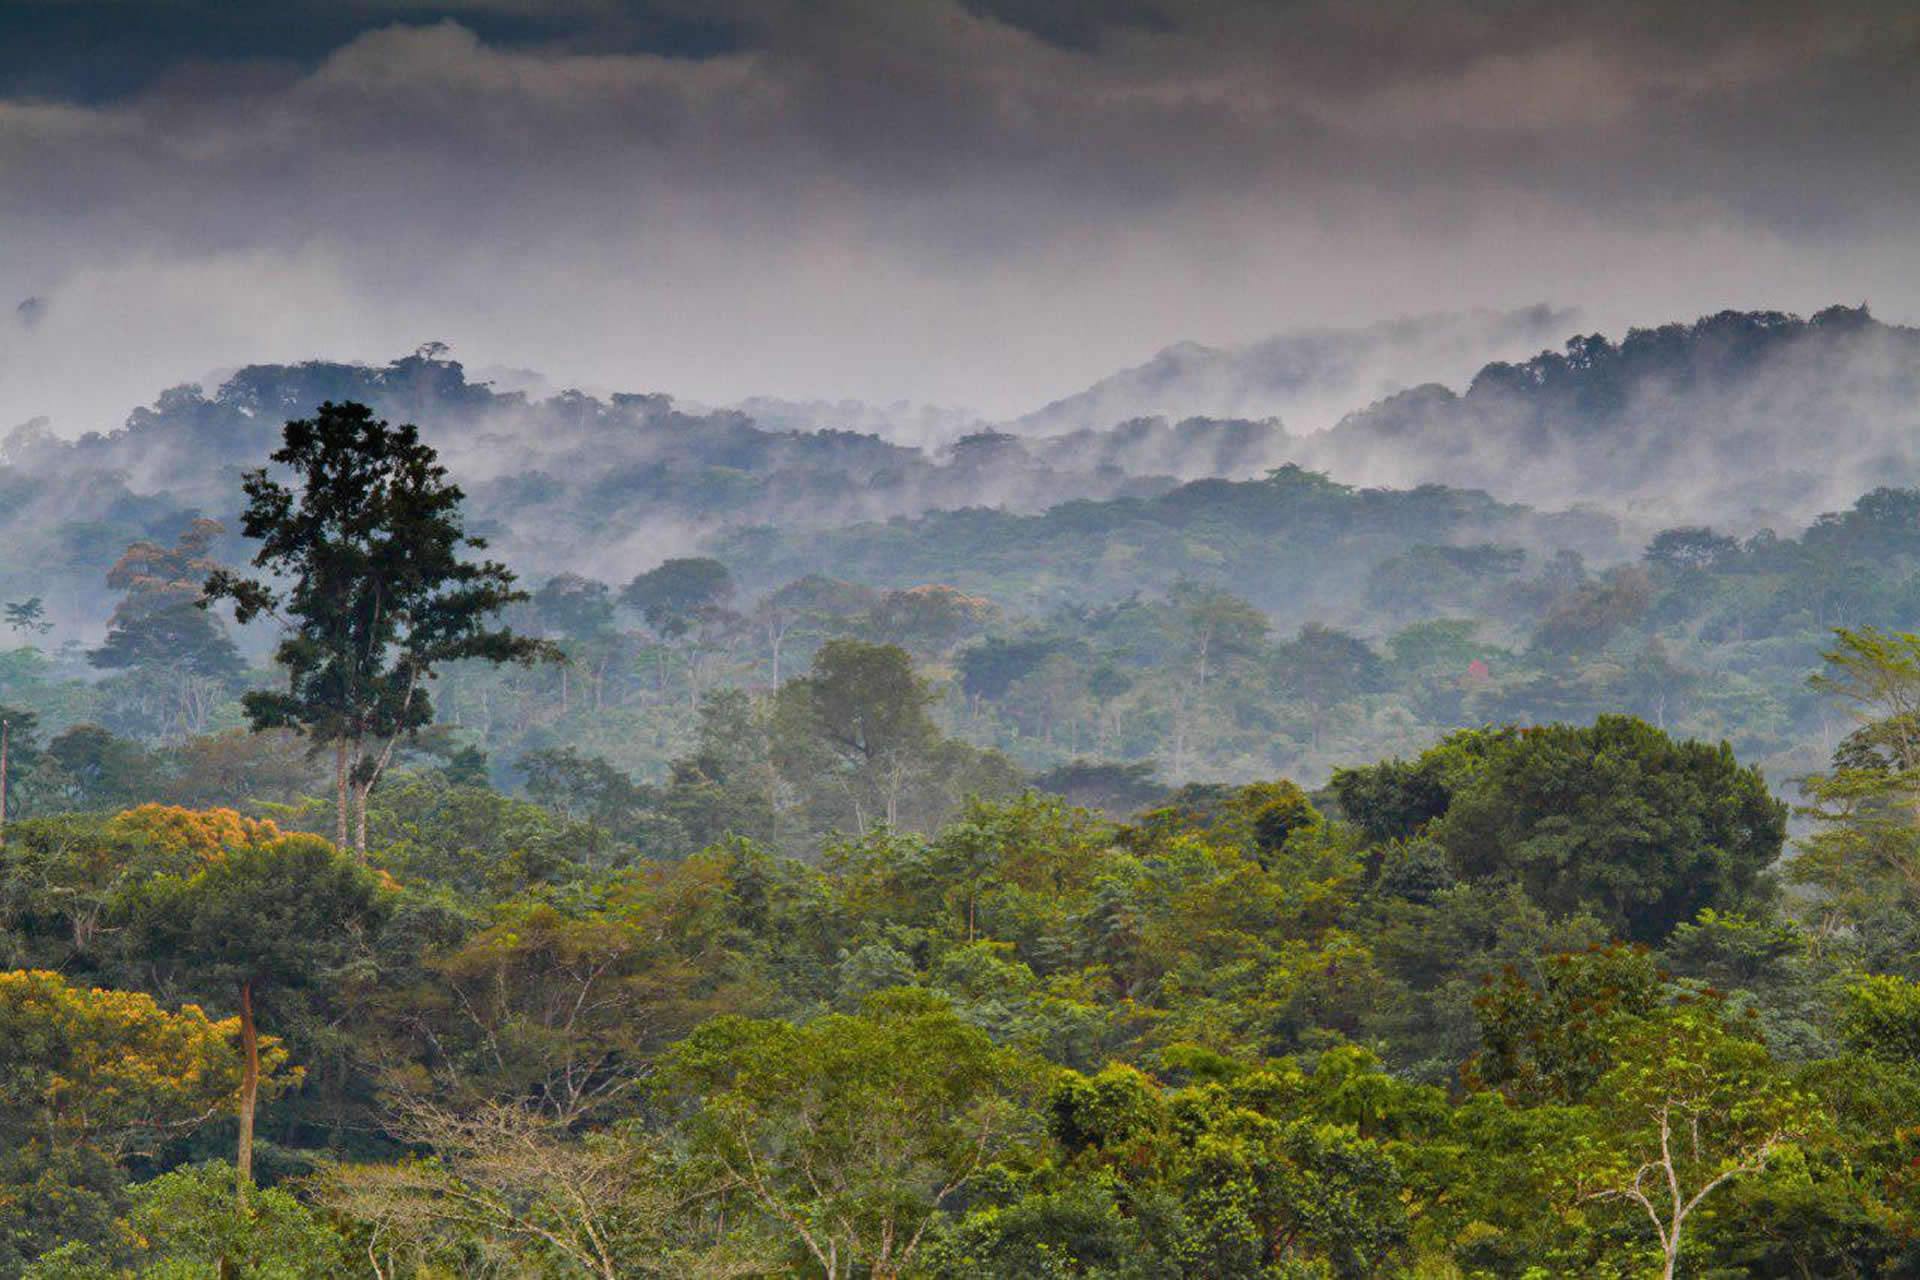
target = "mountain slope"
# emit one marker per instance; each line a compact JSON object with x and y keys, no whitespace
{"x":1306,"y":379}
{"x":1746,"y":418}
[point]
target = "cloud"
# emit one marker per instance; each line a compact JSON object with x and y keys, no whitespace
{"x":989,"y":204}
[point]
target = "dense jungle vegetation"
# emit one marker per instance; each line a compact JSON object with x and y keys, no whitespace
{"x":1137,"y":870}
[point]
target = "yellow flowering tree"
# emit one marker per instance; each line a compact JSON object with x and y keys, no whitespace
{"x":113,"y":1069}
{"x":193,"y":835}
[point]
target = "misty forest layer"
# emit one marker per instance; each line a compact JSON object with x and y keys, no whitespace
{"x":609,"y":836}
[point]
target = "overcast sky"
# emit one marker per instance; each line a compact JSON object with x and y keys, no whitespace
{"x":987,"y":203}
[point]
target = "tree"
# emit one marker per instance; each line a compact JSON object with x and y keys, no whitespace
{"x":1213,"y":633}
{"x":256,"y":922}
{"x":28,"y":617}
{"x":850,"y":1132}
{"x":1880,"y":1017}
{"x":268,"y":768}
{"x":858,"y":722}
{"x":1618,"y":818}
{"x":180,"y":651}
{"x":1322,"y":667}
{"x":20,"y":757}
{"x":604,"y":1203}
{"x":1587,"y":617}
{"x":1689,"y":1107}
{"x":728,"y":786}
{"x":1115,"y":789}
{"x":66,"y":877}
{"x":180,"y":633}
{"x":856,"y":743}
{"x":112,"y":1068}
{"x":684,"y":601}
{"x":188,"y":839}
{"x":1691,"y":547}
{"x":673,"y":596}
{"x":1218,"y":626}
{"x":579,"y":611}
{"x":583,"y":788}
{"x":1546,"y":1040}
{"x":379,"y":596}
{"x":562,"y":1013}
{"x":809,"y":605}
{"x":1877,"y":674}
{"x":1394,"y":799}
{"x":182,"y":1225}
{"x":1863,"y":857}
{"x":102,"y":771}
{"x":927,"y":620}
{"x":1251,"y":1176}
{"x":573,"y":606}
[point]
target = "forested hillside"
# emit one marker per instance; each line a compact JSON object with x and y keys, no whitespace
{"x":1752,"y":418}
{"x":602,"y":837}
{"x":1152,"y":594}
{"x":959,"y":640}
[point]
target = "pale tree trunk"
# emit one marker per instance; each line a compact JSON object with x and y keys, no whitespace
{"x":249,"y":1096}
{"x":340,"y":793}
{"x":896,"y":778}
{"x":1669,"y":1217}
{"x":776,"y":640}
{"x":1178,"y":706}
{"x":362,"y":787}
{"x":853,"y":798}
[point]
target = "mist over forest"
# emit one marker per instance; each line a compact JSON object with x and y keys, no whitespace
{"x":975,"y":640}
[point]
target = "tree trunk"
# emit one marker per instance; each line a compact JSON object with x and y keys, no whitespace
{"x":3,"y":784}
{"x":249,"y":1095}
{"x":361,"y":790}
{"x":340,"y":793}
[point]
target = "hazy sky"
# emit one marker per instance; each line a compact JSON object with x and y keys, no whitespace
{"x":980,"y":202}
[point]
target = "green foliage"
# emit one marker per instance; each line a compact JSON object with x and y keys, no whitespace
{"x":161,"y":630}
{"x":1880,"y":1017}
{"x":28,"y":617}
{"x":850,"y":1132}
{"x":1618,"y":818}
{"x":1235,"y":1179}
{"x":1396,"y":799}
{"x":1030,"y":1042}
{"x":673,"y":596}
{"x":1688,"y":1107}
{"x":758,"y":973}
{"x":481,"y":843}
{"x":282,"y":914}
{"x":1729,"y":950}
{"x":1551,"y":1041}
{"x":109,"y":1070}
{"x":856,"y":738}
{"x":182,"y":1226}
{"x":1863,"y":857}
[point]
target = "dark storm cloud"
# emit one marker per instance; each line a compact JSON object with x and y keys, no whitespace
{"x":104,"y":50}
{"x":990,"y":202}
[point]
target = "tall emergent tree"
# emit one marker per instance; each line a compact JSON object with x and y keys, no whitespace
{"x":367,"y":575}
